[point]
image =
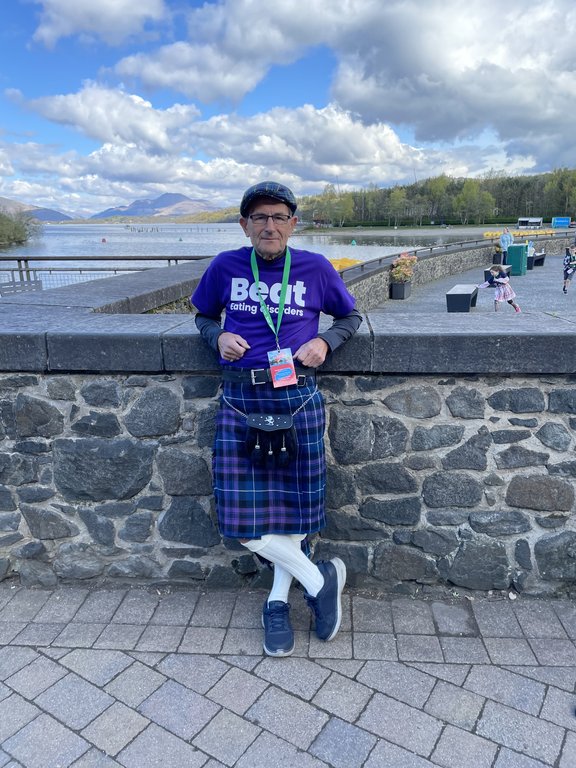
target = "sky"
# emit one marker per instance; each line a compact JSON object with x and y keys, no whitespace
{"x":103,"y":103}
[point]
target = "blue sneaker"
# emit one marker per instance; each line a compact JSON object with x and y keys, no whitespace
{"x":327,"y":605}
{"x":278,"y":632}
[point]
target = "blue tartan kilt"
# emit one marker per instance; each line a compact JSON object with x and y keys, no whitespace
{"x":252,"y":501}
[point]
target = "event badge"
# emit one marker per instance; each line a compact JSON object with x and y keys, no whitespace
{"x":282,"y":367}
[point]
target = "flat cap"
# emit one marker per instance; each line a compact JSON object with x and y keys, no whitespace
{"x":271,"y":189}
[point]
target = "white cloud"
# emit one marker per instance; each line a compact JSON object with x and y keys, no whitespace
{"x":110,"y":20}
{"x":115,"y":116}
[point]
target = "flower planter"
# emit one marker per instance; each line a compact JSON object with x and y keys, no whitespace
{"x":400,"y":290}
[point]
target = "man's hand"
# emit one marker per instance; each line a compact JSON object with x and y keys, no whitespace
{"x":313,"y":353}
{"x":232,"y":346}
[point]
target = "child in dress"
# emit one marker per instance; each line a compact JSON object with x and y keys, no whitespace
{"x":501,"y":282}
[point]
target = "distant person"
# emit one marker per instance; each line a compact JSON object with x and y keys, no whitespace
{"x":506,"y":240}
{"x":499,"y":280}
{"x":569,"y":265}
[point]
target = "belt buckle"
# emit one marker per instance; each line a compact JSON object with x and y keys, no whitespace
{"x":301,"y":380}
{"x":254,"y":376}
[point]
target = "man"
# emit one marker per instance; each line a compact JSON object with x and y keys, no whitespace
{"x":506,"y":240}
{"x":269,"y":488}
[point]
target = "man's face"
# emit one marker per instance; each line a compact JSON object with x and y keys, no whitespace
{"x":269,"y":238}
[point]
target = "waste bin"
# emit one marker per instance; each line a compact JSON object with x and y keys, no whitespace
{"x":518,"y":259}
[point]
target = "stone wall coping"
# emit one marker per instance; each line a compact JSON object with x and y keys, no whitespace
{"x":95,"y":326}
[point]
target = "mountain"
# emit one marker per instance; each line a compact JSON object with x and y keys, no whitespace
{"x":165,"y":205}
{"x":40,"y":214}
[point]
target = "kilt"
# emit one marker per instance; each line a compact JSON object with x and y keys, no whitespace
{"x":252,"y":501}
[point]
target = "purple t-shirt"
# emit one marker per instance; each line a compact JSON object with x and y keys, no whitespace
{"x":314,"y":286}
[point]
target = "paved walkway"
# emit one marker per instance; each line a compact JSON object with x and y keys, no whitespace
{"x":144,"y":677}
{"x":539,"y":290}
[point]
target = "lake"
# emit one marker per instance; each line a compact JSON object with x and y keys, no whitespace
{"x":129,"y":242}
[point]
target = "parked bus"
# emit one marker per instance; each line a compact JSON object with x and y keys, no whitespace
{"x":532,"y":222}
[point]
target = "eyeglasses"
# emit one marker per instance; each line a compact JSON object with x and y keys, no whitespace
{"x":261,"y":219}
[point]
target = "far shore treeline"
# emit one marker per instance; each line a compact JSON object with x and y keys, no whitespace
{"x":491,"y":200}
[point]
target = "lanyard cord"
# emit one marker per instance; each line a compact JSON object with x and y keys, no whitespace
{"x":283,"y":289}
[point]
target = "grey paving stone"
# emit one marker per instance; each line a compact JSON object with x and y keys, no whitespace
{"x":45,"y":742}
{"x":8,"y":589}
{"x":566,"y":612}
{"x":198,"y":673}
{"x":419,"y":648}
{"x":79,"y":635}
{"x":95,"y":759}
{"x":36,"y":677}
{"x":298,"y":676}
{"x":372,"y":615}
{"x":24,"y":605}
{"x":538,"y":619}
{"x":156,"y":748}
{"x":520,"y":732}
{"x":560,"y":708}
{"x":554,"y":652}
{"x":455,"y":742}
{"x":213,"y":609}
{"x":508,"y":759}
{"x":560,"y":677}
{"x":137,"y":607}
{"x":386,"y":755}
{"x":13,"y":659}
{"x":496,"y":619}
{"x":237,"y":690}
{"x":62,"y":605}
{"x":507,"y":688}
{"x":178,"y":709}
{"x":568,"y":759}
{"x":339,"y":648}
{"x":99,"y":667}
{"x":243,"y":641}
{"x":464,"y":650}
{"x":100,"y":606}
{"x":342,"y":745}
{"x":372,"y":645}
{"x":451,"y":673}
{"x":202,"y":640}
{"x":454,"y":619}
{"x":175,"y":608}
{"x":122,"y":637}
{"x":288,"y":717}
{"x":346,"y":667}
{"x":454,"y":705}
{"x":15,"y":713}
{"x":247,"y":610}
{"x":5,"y":759}
{"x":115,"y":728}
{"x":4,"y":691}
{"x":412,"y":617}
{"x":342,"y":697}
{"x":9,"y":630}
{"x":226,"y":737}
{"x":506,"y":650}
{"x":268,"y":751}
{"x":74,"y":701}
{"x":163,"y":639}
{"x":135,"y":684}
{"x":388,"y":718}
{"x":397,"y":680}
{"x":247,"y":663}
{"x":38,"y":634}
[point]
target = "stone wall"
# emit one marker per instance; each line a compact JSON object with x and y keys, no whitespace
{"x":466,"y":481}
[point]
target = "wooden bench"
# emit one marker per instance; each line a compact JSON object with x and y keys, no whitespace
{"x":19,"y":286}
{"x":505,"y":268}
{"x":461,"y":298}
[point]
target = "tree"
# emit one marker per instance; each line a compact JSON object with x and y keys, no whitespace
{"x":15,"y":229}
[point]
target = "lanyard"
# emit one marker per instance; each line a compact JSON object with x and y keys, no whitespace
{"x":284,"y":287}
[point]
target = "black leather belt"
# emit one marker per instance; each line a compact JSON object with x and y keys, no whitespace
{"x":263,"y":375}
